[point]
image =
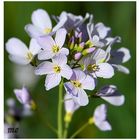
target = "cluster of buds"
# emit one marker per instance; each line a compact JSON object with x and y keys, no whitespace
{"x":76,"y":52}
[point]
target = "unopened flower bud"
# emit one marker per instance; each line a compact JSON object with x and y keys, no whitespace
{"x":80,"y":47}
{"x":71,"y":44}
{"x":87,"y":51}
{"x":89,"y":44}
{"x":77,"y":56}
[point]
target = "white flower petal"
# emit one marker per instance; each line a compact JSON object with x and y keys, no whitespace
{"x":100,"y":113}
{"x":95,"y":39}
{"x":114,"y":100}
{"x":46,"y":42}
{"x":70,"y":105}
{"x":60,"y":37}
{"x":104,"y":126}
{"x":52,"y":80}
{"x":45,"y":55}
{"x":16,"y":47}
{"x":22,"y":95}
{"x":19,"y":60}
{"x":64,"y":51}
{"x":44,"y":68}
{"x":41,"y":19}
{"x":78,"y":75}
{"x":82,"y":98}
{"x":34,"y":47}
{"x":33,"y":31}
{"x":66,"y":71}
{"x":105,"y":70}
{"x":62,"y":20}
{"x":59,"y":60}
{"x":121,"y":68}
{"x":88,"y":83}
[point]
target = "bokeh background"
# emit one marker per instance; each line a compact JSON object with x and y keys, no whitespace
{"x":121,"y":17}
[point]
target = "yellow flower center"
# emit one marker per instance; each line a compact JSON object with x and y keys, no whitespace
{"x":57,"y":69}
{"x":77,"y":84}
{"x":91,"y":120}
{"x":55,"y":49}
{"x":29,"y":56}
{"x":92,"y":67}
{"x":47,"y":30}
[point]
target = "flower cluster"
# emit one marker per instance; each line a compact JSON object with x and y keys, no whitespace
{"x":76,"y":52}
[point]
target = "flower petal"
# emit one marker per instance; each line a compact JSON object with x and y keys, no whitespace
{"x":66,"y":72}
{"x":52,"y":80}
{"x":104,"y":126}
{"x":60,"y":37}
{"x":45,"y":55}
{"x":114,"y":100}
{"x":64,"y":51}
{"x":14,"y":46}
{"x":46,"y":42}
{"x":78,"y":75}
{"x":121,"y":68}
{"x":33,"y":31}
{"x":34,"y":47}
{"x":88,"y":83}
{"x":59,"y":60}
{"x":19,"y":60}
{"x":41,"y":19}
{"x":82,"y":98}
{"x":105,"y":70}
{"x":70,"y":105}
{"x":100,"y":113}
{"x":44,"y":68}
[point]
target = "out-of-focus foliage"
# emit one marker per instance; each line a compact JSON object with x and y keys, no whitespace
{"x":120,"y":16}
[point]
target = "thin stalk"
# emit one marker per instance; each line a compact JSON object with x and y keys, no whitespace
{"x":79,"y":130}
{"x":60,"y":108}
{"x":66,"y":129}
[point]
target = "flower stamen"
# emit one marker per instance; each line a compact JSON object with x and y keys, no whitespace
{"x":55,"y":49}
{"x":57,"y":69}
{"x":77,"y":84}
{"x":29,"y":56}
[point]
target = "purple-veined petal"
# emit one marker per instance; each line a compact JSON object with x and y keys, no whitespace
{"x":52,"y":80}
{"x":34,"y":47}
{"x":70,"y":89}
{"x":33,"y":31}
{"x":16,"y":47}
{"x":88,"y":83}
{"x":64,"y":51}
{"x":45,"y":55}
{"x":105,"y":70}
{"x":41,"y":19}
{"x":44,"y":68}
{"x":19,"y":60}
{"x":59,"y":60}
{"x":78,"y":75}
{"x":66,"y":71}
{"x":60,"y":37}
{"x":82,"y":98}
{"x":46,"y":42}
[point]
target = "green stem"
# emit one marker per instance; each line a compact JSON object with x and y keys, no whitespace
{"x":60,"y":107}
{"x":80,"y":129}
{"x":66,"y":129}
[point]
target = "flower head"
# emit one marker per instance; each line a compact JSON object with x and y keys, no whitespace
{"x":19,"y":53}
{"x":99,"y":118}
{"x":78,"y":82}
{"x":52,"y":47}
{"x":54,"y":70}
{"x":110,"y":94}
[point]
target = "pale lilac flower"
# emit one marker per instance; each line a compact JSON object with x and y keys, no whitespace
{"x":55,"y":70}
{"x":19,"y":53}
{"x":23,"y":95}
{"x":41,"y":24}
{"x":110,"y":94}
{"x":95,"y":65}
{"x":78,"y":82}
{"x":52,"y":47}
{"x":99,"y":118}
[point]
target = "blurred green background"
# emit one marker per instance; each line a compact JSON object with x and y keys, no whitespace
{"x":121,"y":17}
